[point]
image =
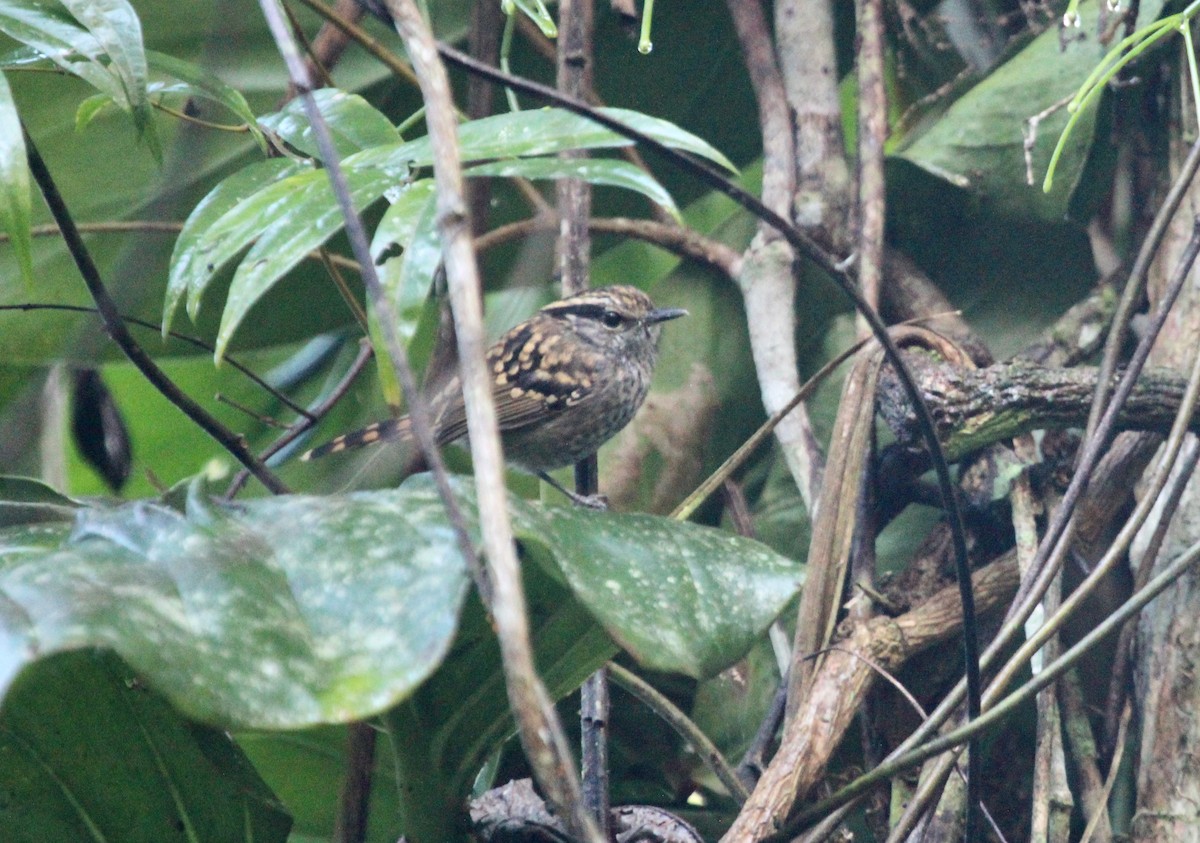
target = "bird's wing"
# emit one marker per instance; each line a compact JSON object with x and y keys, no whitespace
{"x":532,"y":380}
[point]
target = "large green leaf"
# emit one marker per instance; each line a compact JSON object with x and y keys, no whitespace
{"x":192,"y":246}
{"x":280,"y":613}
{"x":978,"y":145}
{"x":353,"y":122}
{"x":597,"y":171}
{"x":296,"y":610}
{"x":679,"y":597}
{"x":88,"y":752}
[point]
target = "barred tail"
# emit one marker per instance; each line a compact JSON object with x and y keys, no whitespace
{"x":383,"y":431}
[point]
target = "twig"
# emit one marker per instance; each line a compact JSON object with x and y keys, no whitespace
{"x":540,"y":731}
{"x":684,"y":726}
{"x":311,"y":417}
{"x":750,"y":768}
{"x":684,"y":242}
{"x":193,"y":341}
{"x":767,"y":273}
{"x":116,"y":329}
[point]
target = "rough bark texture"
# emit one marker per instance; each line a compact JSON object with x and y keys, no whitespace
{"x":1169,"y":637}
{"x":837,"y":689}
{"x":973,"y":408}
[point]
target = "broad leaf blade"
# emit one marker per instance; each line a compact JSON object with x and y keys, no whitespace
{"x":978,"y":143}
{"x":281,"y":613}
{"x":353,"y":122}
{"x":198,"y":255}
{"x":597,"y":171}
{"x":679,"y":597}
{"x":293,"y":611}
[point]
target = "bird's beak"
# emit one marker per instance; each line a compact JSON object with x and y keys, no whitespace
{"x":664,"y":314}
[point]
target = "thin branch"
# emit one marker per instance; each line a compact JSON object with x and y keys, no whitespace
{"x":684,"y":726}
{"x":1135,"y":287}
{"x":685,"y":242}
{"x":156,"y":328}
{"x":540,"y":731}
{"x":119,"y":334}
{"x":311,"y":417}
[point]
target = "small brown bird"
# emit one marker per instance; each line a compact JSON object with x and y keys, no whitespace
{"x":564,"y":381}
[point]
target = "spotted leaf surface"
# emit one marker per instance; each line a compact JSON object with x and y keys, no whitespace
{"x":295,"y":610}
{"x":679,"y":597}
{"x":277,"y":613}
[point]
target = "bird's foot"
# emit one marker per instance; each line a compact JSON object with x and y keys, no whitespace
{"x":597,"y":502}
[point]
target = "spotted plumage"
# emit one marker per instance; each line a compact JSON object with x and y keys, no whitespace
{"x":564,"y":381}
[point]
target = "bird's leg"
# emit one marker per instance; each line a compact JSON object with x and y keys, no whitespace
{"x":599,"y":502}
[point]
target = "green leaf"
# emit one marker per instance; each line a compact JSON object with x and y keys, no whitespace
{"x":197,"y":256}
{"x":354,"y":123}
{"x":408,"y":225}
{"x":293,"y":611}
{"x":305,"y":769}
{"x":289,"y":218}
{"x":24,"y":500}
{"x":60,"y":38}
{"x":201,"y":83}
{"x":90,"y":753}
{"x":679,"y":597}
{"x":91,"y":108}
{"x":978,"y":145}
{"x":118,"y":31}
{"x":279,"y":613}
{"x":15,"y":202}
{"x":304,"y":215}
{"x":549,"y":131}
{"x":597,"y":171}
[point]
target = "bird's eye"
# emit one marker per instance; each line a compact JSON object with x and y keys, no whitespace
{"x":612,"y":319}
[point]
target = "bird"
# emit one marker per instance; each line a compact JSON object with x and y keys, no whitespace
{"x":565,"y":381}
